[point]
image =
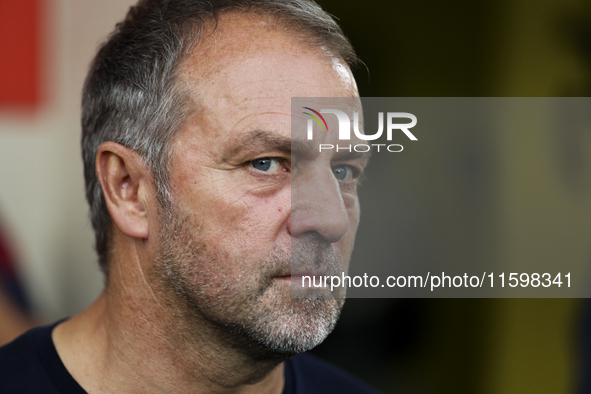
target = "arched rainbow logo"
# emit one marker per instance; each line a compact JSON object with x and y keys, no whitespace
{"x":315,"y":118}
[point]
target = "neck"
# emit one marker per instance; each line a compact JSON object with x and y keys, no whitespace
{"x":130,"y":340}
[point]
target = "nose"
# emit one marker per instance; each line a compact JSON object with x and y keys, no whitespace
{"x":318,"y":207}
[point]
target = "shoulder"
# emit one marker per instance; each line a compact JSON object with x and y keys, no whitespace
{"x":308,"y":374}
{"x":21,"y":367}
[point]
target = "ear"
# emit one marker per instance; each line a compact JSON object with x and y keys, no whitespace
{"x":126,"y":184}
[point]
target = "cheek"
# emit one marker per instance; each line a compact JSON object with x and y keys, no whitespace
{"x":347,"y":243}
{"x":247,"y":227}
{"x":351,"y":202}
{"x":237,"y":218}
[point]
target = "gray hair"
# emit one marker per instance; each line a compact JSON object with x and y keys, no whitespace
{"x":132,"y":96}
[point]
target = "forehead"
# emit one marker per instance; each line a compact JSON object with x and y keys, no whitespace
{"x":248,"y":61}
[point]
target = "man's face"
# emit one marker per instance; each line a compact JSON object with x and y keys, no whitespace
{"x":227,"y":243}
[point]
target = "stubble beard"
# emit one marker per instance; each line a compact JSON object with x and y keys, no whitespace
{"x":253,"y":313}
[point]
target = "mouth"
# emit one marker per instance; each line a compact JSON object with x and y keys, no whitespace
{"x":299,"y":278}
{"x":310,"y":285}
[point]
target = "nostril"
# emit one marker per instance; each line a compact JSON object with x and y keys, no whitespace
{"x":289,"y":225}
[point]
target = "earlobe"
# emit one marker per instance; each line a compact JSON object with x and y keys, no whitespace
{"x":125,"y":181}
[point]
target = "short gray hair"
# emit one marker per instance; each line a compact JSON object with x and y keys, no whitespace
{"x":131,"y":95}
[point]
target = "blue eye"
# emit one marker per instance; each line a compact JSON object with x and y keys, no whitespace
{"x":265,"y":164}
{"x":341,"y":172}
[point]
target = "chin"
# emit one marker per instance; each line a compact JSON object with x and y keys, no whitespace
{"x":299,"y":327}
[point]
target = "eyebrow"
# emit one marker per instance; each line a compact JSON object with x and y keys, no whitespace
{"x":346,"y":155}
{"x":271,"y":141}
{"x":260,"y":139}
{"x":268,"y":140}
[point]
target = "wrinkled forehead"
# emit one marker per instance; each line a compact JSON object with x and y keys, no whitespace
{"x":243,"y":76}
{"x":241,"y":48}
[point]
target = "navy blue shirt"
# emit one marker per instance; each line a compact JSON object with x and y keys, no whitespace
{"x":31,"y":365}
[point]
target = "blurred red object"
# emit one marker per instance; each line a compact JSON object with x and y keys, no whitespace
{"x":19,"y":53}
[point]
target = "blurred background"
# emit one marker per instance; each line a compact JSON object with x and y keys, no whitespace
{"x":420,"y":48}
